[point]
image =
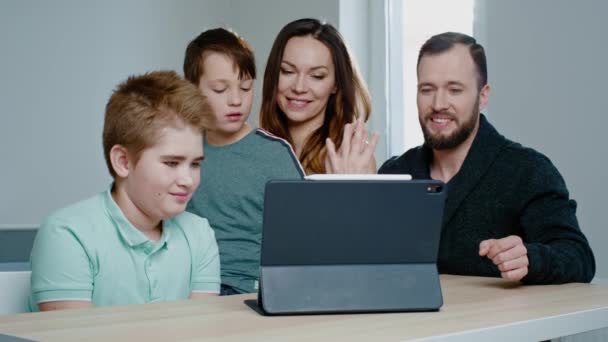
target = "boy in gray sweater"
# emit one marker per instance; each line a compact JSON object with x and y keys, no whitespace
{"x":239,"y":159}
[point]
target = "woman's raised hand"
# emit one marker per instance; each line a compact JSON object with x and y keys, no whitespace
{"x":356,"y":153}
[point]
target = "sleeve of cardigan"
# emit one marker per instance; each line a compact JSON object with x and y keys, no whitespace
{"x":558,"y":251}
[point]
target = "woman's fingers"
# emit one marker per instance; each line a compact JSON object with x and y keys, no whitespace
{"x":347,"y":138}
{"x":370,"y":146}
{"x":355,"y":154}
{"x":332,"y":160}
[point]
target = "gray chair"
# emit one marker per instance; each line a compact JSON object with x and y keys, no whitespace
{"x":14,"y":291}
{"x":15,"y":248}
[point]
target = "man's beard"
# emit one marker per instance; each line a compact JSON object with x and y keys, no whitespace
{"x":439,"y":142}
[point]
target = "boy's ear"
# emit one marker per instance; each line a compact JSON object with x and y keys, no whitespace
{"x":119,"y":157}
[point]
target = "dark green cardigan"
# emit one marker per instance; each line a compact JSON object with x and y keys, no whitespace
{"x":505,"y":189}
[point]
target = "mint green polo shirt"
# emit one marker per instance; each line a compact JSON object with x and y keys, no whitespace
{"x":90,"y":251}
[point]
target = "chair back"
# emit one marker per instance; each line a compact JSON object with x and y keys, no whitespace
{"x":14,"y":292}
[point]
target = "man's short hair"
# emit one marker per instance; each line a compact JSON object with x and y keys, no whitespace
{"x":221,"y":41}
{"x":143,"y":105}
{"x":445,"y":41}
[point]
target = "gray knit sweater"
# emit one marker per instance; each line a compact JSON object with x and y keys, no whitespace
{"x":231,"y":197}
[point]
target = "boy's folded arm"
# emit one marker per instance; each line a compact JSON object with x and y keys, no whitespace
{"x":64,"y":304}
{"x":206,"y":263}
{"x":62,"y":274}
{"x":196,"y":294}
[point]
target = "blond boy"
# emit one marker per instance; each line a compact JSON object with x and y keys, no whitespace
{"x":133,"y":243}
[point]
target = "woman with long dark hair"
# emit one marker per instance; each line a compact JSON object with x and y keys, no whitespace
{"x":314,"y":98}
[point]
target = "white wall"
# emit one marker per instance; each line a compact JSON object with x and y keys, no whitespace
{"x":547,"y":68}
{"x":59,"y":62}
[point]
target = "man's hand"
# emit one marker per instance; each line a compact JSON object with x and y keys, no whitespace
{"x":509,"y":254}
{"x":356,"y":153}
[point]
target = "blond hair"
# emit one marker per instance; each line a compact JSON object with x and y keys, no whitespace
{"x":143,"y":105}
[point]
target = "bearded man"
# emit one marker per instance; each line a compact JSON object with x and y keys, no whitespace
{"x":508,"y":212}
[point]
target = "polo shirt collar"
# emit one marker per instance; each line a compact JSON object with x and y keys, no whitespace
{"x":131,"y":235}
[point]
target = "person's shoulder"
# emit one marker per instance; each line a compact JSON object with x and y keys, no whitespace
{"x":190,"y":220}
{"x":270,"y":141}
{"x":531,"y":165}
{"x":403,"y":163}
{"x":192,"y":225}
{"x":79,"y":215}
{"x":276,"y":152}
{"x":525,"y":157}
{"x":82,"y":223}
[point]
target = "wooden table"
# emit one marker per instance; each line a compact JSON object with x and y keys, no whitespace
{"x":474,"y":308}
